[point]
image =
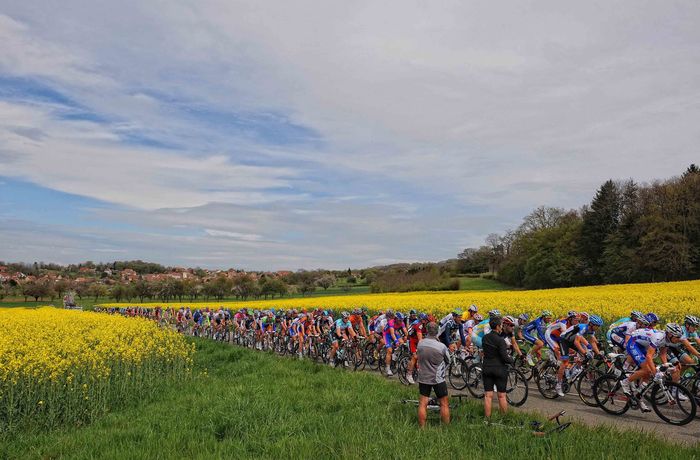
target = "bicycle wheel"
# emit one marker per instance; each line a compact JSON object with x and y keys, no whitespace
{"x":584,"y":385}
{"x":372,"y":356}
{"x":475,"y":383}
{"x":524,"y":368}
{"x":547,"y":381}
{"x":692,"y":383}
{"x":673,"y":403}
{"x":402,"y":370}
{"x":357,"y":358}
{"x":609,"y":396}
{"x":458,"y":380}
{"x":517,"y":388}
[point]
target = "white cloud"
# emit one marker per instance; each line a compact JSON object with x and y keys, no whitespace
{"x":489,"y":109}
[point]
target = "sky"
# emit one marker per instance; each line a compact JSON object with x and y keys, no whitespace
{"x":282,"y":135}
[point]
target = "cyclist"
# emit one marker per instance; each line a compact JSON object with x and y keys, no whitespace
{"x":690,"y":328}
{"x":357,"y":323}
{"x":508,"y":334}
{"x":523,"y":319}
{"x":341,"y":331}
{"x":469,"y":326}
{"x":620,"y":334}
{"x":641,"y":348}
{"x":574,"y":339}
{"x":483,"y":328}
{"x":392,"y":338}
{"x":416,"y":330}
{"x":450,"y":323}
{"x":553,"y":333}
{"x":537,"y":327}
{"x":678,"y":348}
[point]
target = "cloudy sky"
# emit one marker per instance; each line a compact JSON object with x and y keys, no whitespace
{"x":284,"y":135}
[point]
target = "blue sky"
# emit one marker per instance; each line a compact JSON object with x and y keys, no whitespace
{"x":280,"y":135}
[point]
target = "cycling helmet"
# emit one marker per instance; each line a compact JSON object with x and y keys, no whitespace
{"x":546,"y":314}
{"x":457,"y":312}
{"x":691,"y":320}
{"x":636,"y":314}
{"x":345,"y":315}
{"x":356,"y":311}
{"x":325,"y":312}
{"x":389,"y":314}
{"x":473,"y":308}
{"x":643,"y":320}
{"x":478,"y":318}
{"x":364,"y":309}
{"x":399,"y":316}
{"x":596,"y":320}
{"x":494,"y":313}
{"x":584,"y":317}
{"x":652,"y":318}
{"x":524,"y":317}
{"x":412,"y":312}
{"x":674,"y":330}
{"x":572,"y":314}
{"x":423,"y":317}
{"x":509,"y":321}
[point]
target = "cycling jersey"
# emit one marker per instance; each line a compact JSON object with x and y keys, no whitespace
{"x":415,"y":327}
{"x":397,"y":326}
{"x":553,"y":332}
{"x":538,"y":326}
{"x":479,"y":331}
{"x":690,"y":335}
{"x":355,"y":320}
{"x":617,"y":335}
{"x":641,"y":340}
{"x":342,"y":324}
{"x":447,"y":326}
{"x":413,"y":330}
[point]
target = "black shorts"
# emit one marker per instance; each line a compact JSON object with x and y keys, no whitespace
{"x":440,"y":389}
{"x":497,"y":377}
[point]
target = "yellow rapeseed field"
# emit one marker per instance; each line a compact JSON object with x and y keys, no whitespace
{"x":670,"y":300}
{"x":60,"y":366}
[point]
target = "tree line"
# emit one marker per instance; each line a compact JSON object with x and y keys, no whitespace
{"x":629,"y":233}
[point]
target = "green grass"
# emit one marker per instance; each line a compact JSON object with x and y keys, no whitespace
{"x":253,"y":405}
{"x":482,"y":284}
{"x":88,"y":303}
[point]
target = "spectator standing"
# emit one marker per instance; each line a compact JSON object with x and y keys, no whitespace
{"x":433,"y":358}
{"x":495,"y":367}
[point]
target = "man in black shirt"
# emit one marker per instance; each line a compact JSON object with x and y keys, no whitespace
{"x":495,"y":367}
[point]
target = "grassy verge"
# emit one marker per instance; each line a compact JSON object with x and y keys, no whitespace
{"x":246,"y":404}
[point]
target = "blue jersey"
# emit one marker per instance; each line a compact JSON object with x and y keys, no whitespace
{"x":690,"y":335}
{"x":538,"y":326}
{"x":342,"y":325}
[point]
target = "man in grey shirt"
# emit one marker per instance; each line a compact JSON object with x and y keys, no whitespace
{"x":433,"y":358}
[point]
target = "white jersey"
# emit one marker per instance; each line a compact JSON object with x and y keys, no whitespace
{"x":648,"y":337}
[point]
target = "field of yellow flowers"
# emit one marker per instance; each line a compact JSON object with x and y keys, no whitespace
{"x":59,"y":366}
{"x":669,"y":300}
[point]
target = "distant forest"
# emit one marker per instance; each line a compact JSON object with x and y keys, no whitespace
{"x":629,"y":233}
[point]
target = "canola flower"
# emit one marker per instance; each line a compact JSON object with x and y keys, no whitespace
{"x":59,"y":366}
{"x":669,"y":300}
